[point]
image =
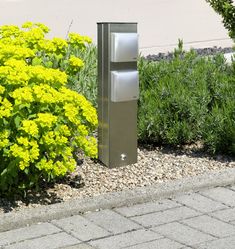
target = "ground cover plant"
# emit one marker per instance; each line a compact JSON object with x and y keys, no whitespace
{"x":43,"y":123}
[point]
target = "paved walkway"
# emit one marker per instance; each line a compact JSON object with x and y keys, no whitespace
{"x":200,"y":220}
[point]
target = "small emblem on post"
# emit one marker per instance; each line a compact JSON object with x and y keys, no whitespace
{"x":123,"y":157}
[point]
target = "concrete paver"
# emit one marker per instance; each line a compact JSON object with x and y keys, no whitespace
{"x":182,"y":233}
{"x":79,"y":246}
{"x":211,"y":226}
{"x":200,"y":202}
{"x":155,"y":219}
{"x":52,"y":241}
{"x":26,"y":233}
{"x":159,"y":244}
{"x":81,"y":228}
{"x":126,"y":239}
{"x":226,"y":243}
{"x":233,"y":188}
{"x":227,"y":215}
{"x":224,"y":195}
{"x":146,"y":208}
{"x":111,"y":221}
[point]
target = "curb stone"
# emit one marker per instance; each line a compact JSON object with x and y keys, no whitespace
{"x":111,"y":200}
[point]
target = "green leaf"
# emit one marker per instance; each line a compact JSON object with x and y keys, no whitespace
{"x":36,"y":61}
{"x":17,"y":121}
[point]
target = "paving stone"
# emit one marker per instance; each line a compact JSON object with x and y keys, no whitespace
{"x":227,"y":215}
{"x":166,"y":216}
{"x":126,"y":239}
{"x":200,"y":202}
{"x":224,"y":195}
{"x":233,"y":188}
{"x":111,"y":221}
{"x":182,"y":233}
{"x":81,"y":228}
{"x":225,"y":243}
{"x":52,"y":241}
{"x":80,"y":246}
{"x":211,"y":226}
{"x":158,"y":244}
{"x":145,"y":208}
{"x":25,"y":233}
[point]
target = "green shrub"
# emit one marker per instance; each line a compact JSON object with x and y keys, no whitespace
{"x":226,"y":9}
{"x":42,"y":122}
{"x":219,"y":128}
{"x":86,"y":83}
{"x":179,"y":100}
{"x":172,"y":97}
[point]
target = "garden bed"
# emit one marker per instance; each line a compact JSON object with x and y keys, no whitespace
{"x":184,"y":98}
{"x":155,"y":165}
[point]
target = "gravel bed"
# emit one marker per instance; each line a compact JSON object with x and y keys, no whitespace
{"x":154,"y":165}
{"x":199,"y":51}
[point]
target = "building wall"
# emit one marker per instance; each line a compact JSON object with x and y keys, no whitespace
{"x":160,"y":22}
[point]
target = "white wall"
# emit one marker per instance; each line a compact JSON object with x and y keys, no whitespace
{"x":160,"y":22}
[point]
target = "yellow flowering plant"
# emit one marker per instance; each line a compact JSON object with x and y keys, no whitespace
{"x":43,"y":123}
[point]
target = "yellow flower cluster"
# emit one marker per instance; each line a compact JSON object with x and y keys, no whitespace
{"x":5,"y":108}
{"x":4,"y":141}
{"x":46,"y":94}
{"x":88,"y":145}
{"x":46,"y":119}
{"x":22,"y":95}
{"x":56,"y":45}
{"x":14,"y":52}
{"x":79,"y":40}
{"x":26,"y":151}
{"x":71,"y":112}
{"x":58,"y":168}
{"x":42,"y":122}
{"x":2,"y":89}
{"x":14,"y":72}
{"x":30,"y":127}
{"x":47,"y":75}
{"x":30,"y":25}
{"x":75,"y":62}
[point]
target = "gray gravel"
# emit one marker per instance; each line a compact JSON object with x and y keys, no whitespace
{"x":154,"y":166}
{"x":198,"y":51}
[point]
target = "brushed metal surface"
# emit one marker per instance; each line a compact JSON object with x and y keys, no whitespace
{"x":124,"y":85}
{"x":124,"y":47}
{"x":117,"y":131}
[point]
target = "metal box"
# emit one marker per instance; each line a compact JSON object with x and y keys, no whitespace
{"x":124,"y":47}
{"x":117,"y":93}
{"x":124,"y":85}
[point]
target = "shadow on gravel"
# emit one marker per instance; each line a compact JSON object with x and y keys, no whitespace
{"x":195,"y":150}
{"x":45,"y":195}
{"x":42,"y":197}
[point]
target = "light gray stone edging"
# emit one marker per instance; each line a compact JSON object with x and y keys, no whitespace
{"x":116,"y":199}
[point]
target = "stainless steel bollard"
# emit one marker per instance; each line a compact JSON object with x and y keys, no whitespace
{"x":118,"y":92}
